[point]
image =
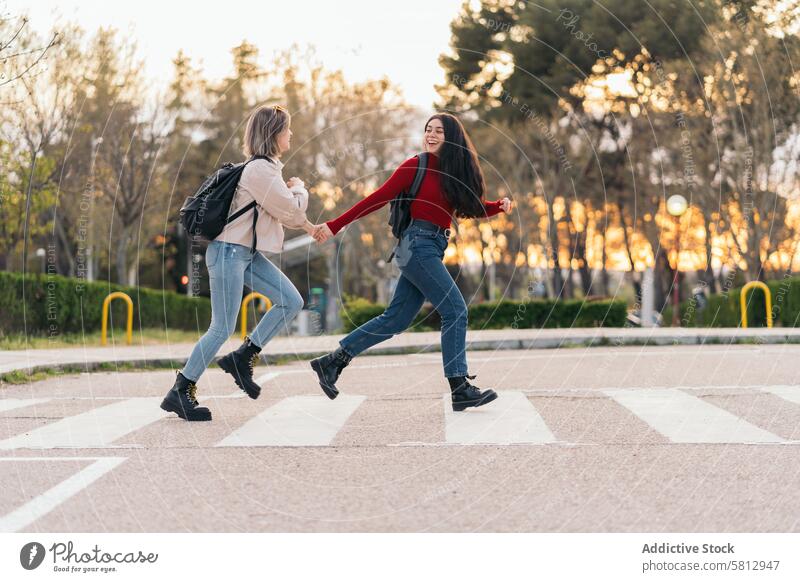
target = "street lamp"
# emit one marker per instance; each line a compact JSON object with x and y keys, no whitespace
{"x":41,"y":253}
{"x":676,"y":206}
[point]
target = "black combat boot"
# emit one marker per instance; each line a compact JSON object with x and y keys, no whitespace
{"x":465,"y":395}
{"x":239,"y":364}
{"x":182,"y":401}
{"x":328,"y":368}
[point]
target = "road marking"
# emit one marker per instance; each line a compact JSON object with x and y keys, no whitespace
{"x":511,"y":419}
{"x":584,"y":352}
{"x":7,"y":404}
{"x":789,"y":393}
{"x":268,"y":376}
{"x":296,"y":421}
{"x":40,"y":506}
{"x":684,"y":418}
{"x":745,"y":388}
{"x":240,"y":394}
{"x":97,"y":428}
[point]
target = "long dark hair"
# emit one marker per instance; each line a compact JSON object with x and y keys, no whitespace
{"x":461,"y":175}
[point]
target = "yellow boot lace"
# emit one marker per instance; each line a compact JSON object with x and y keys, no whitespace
{"x":192,"y":393}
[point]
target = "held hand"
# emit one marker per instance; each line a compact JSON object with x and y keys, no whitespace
{"x":505,"y":205}
{"x":322,"y":233}
{"x":317,"y":234}
{"x":294,"y":181}
{"x":308,"y":226}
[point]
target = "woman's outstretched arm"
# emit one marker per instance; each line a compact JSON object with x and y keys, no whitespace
{"x":399,"y":181}
{"x":494,"y":207}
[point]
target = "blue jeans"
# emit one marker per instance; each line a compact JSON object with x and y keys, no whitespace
{"x":424,"y":276}
{"x":230,"y":268}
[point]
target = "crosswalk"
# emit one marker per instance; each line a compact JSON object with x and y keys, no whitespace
{"x":535,"y":418}
{"x":673,"y":414}
{"x":44,"y":503}
{"x":14,"y":403}
{"x":684,"y":418}
{"x":296,"y":421}
{"x":788,"y":393}
{"x":97,"y":428}
{"x":511,"y":419}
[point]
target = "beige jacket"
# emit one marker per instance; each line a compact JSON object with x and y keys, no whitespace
{"x":278,"y":205}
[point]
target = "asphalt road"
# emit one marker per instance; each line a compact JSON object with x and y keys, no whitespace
{"x":683,"y":438}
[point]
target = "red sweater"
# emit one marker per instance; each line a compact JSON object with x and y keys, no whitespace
{"x":430,"y":203}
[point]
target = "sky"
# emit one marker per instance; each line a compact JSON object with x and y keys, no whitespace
{"x":365,"y":39}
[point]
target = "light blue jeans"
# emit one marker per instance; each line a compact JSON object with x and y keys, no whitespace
{"x":230,"y":268}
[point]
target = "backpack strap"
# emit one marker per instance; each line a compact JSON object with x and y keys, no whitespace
{"x":241,"y":211}
{"x":255,"y":219}
{"x":422,"y":165}
{"x":252,"y":206}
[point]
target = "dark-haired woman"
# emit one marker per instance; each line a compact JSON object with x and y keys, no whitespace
{"x":453,"y":186}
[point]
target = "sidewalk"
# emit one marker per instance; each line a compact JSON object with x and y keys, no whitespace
{"x":304,"y":348}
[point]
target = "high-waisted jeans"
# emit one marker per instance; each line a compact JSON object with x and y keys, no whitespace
{"x":424,"y":276}
{"x":230,"y":268}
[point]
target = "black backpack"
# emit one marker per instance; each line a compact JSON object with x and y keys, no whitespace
{"x":400,"y":206}
{"x":205,"y":213}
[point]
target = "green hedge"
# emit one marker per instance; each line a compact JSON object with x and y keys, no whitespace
{"x":504,"y":314}
{"x":725,"y":311}
{"x":356,"y":311}
{"x":54,"y":304}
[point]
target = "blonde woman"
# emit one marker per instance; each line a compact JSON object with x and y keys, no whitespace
{"x":233,"y":263}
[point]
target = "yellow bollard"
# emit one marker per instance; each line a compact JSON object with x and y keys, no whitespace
{"x":106,"y":303}
{"x":743,"y":301}
{"x":246,"y":302}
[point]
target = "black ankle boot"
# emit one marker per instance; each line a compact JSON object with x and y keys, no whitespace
{"x":465,"y":395}
{"x":239,"y":364}
{"x":182,"y":401}
{"x":328,"y":368}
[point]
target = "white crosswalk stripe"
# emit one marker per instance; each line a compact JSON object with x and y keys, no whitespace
{"x":684,"y":418}
{"x":43,"y":504}
{"x":296,"y":421}
{"x":7,"y":404}
{"x":316,"y":421}
{"x":789,"y":393}
{"x":97,"y":428}
{"x":511,"y":419}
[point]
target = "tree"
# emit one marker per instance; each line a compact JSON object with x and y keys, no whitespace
{"x":131,"y":175}
{"x":757,"y":114}
{"x":16,"y":204}
{"x":21,"y":52}
{"x":620,"y":73}
{"x":39,"y":89}
{"x":229,"y":104}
